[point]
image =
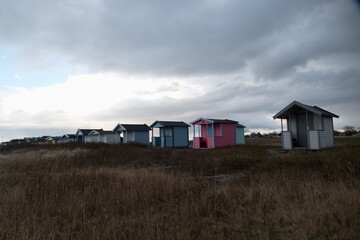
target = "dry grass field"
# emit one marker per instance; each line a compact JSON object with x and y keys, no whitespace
{"x":255,"y":191}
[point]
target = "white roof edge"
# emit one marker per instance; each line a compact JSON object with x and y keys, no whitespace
{"x":93,"y":131}
{"x":309,"y":108}
{"x":119,"y":125}
{"x":201,"y":118}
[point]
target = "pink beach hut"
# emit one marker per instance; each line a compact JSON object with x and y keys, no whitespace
{"x":214,"y":133}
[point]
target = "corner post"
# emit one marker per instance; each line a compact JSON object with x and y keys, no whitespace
{"x":193,"y":135}
{"x":307,"y":130}
{"x":213,"y":135}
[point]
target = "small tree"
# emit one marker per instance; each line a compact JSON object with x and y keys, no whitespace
{"x":349,"y":130}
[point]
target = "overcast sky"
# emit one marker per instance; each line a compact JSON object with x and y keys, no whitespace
{"x":69,"y":64}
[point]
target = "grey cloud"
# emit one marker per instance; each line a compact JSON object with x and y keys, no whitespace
{"x":228,"y":101}
{"x":332,"y":28}
{"x":173,"y":37}
{"x":254,"y":106}
{"x":327,"y":88}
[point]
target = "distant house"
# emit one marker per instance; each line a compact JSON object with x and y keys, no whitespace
{"x":66,"y":138}
{"x":31,"y":140}
{"x":308,"y":127}
{"x":52,"y":140}
{"x":137,"y":133}
{"x":42,"y":140}
{"x":170,"y":134}
{"x":214,"y":133}
{"x":102,"y":136}
{"x":82,"y":135}
{"x":18,"y":142}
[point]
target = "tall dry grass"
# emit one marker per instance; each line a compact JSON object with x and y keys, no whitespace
{"x":133,"y":192}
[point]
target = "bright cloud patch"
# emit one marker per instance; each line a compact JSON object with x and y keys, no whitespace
{"x":70,"y":103}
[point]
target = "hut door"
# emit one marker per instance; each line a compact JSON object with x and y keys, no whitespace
{"x":302,"y":129}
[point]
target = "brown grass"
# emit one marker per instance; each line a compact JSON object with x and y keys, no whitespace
{"x":134,"y":192}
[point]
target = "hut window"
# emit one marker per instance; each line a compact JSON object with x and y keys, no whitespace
{"x":156,"y":132}
{"x":209,"y":130}
{"x":318,"y":122}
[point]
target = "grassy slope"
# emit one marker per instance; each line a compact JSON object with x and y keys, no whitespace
{"x":134,"y":192}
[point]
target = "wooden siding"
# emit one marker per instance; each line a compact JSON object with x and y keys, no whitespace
{"x":172,"y":137}
{"x":118,"y":137}
{"x":228,"y":137}
{"x":203,"y":131}
{"x":318,"y":125}
{"x":196,"y":142}
{"x":204,"y":141}
{"x":162,"y":139}
{"x":91,"y":139}
{"x":109,"y":138}
{"x":302,"y":136}
{"x":310,"y":122}
{"x":292,"y":125}
{"x":240,"y":138}
{"x":136,"y":136}
{"x":169,"y":141}
{"x":218,"y":129}
{"x":128,"y":136}
{"x":142,"y":137}
{"x":156,"y":141}
{"x":327,"y":135}
{"x":286,"y":139}
{"x":314,"y":140}
{"x":181,"y":136}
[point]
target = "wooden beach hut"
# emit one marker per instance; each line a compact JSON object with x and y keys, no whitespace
{"x":306,"y":127}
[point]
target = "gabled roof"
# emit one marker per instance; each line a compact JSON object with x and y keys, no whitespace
{"x":326,"y":113}
{"x":86,"y":132}
{"x":68,"y":136}
{"x":296,"y":105}
{"x":100,"y":132}
{"x":52,"y":138}
{"x":169,"y":124}
{"x":213,"y":120}
{"x":132,"y":127}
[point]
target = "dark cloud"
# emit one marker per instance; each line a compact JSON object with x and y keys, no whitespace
{"x":229,"y":101}
{"x":183,"y":37}
{"x":328,"y":87}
